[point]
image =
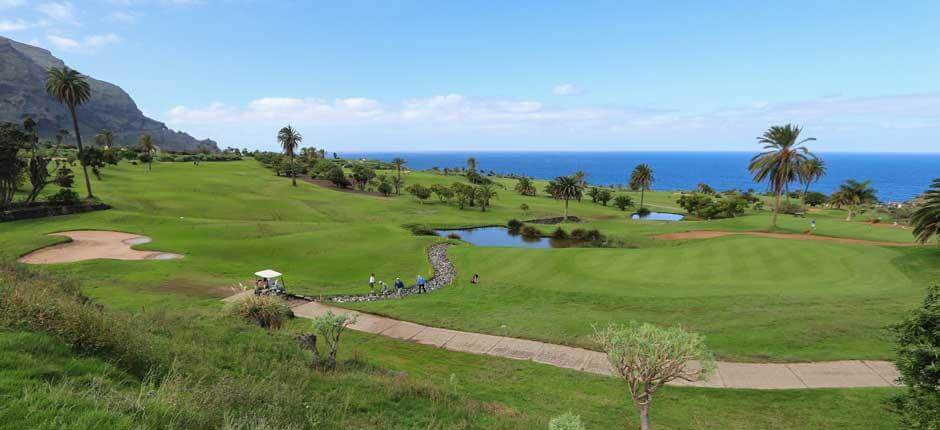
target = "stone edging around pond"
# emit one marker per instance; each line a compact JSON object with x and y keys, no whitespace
{"x":43,"y":211}
{"x":444,"y":274}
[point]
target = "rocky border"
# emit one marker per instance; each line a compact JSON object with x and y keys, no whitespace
{"x":444,"y":275}
{"x":45,"y":210}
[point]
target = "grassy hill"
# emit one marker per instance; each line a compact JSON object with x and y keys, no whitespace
{"x":755,"y":299}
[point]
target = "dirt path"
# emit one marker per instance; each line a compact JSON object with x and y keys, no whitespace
{"x":708,"y":234}
{"x":92,"y":244}
{"x":761,"y":376}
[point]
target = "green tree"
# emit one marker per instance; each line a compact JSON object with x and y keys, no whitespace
{"x":421,"y":192}
{"x":485,"y":193}
{"x":926,"y":219}
{"x":361,"y":175}
{"x":443,"y":192}
{"x":524,"y":208}
{"x":71,"y":89}
{"x":12,"y":140}
{"x":385,"y":186}
{"x":918,"y":362}
{"x":329,"y":327}
{"x":780,"y":162}
{"x":105,"y":139}
{"x":852,"y":194}
{"x":398,"y":162}
{"x":472,"y":164}
{"x":146,"y":146}
{"x":811,"y":172}
{"x":623,"y":202}
{"x":525,"y":186}
{"x":641,"y":179}
{"x":290,"y":139}
{"x":564,"y":188}
{"x":604,"y":196}
{"x":647,"y":357}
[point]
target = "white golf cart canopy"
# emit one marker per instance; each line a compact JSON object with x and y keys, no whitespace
{"x":267,"y":274}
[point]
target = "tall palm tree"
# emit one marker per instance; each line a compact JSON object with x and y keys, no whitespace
{"x":71,"y":89}
{"x":105,"y":138}
{"x":641,"y":179}
{"x":926,"y":219}
{"x":472,"y":164}
{"x":810,"y":172}
{"x":852,"y":194}
{"x":525,"y":186}
{"x":565,"y":188}
{"x":780,"y":162}
{"x":398,"y":162}
{"x":145,"y":142}
{"x":289,"y":140}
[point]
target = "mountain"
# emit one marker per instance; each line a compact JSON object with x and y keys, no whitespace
{"x":22,"y":94}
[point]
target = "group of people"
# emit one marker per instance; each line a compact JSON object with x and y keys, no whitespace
{"x":421,"y":283}
{"x":265,"y":285}
{"x":399,"y":285}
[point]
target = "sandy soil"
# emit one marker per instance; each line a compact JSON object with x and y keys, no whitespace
{"x":92,"y":244}
{"x":708,"y":234}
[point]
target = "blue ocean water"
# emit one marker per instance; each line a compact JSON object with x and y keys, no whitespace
{"x":896,"y":177}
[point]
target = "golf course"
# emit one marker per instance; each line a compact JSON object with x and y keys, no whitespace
{"x":755,"y":298}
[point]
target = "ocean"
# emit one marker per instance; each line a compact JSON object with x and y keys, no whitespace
{"x":896,"y":177}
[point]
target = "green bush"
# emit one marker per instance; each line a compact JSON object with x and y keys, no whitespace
{"x":559,"y":233}
{"x":918,"y":361}
{"x":583,"y":235}
{"x":514,"y":225}
{"x":566,"y":421}
{"x":420,"y":230}
{"x":42,"y":303}
{"x":265,"y":311}
{"x":529,"y":231}
{"x":65,"y":197}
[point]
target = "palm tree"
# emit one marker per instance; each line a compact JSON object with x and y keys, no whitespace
{"x":398,"y":162}
{"x":641,"y":179}
{"x":525,"y":187}
{"x":105,"y":138}
{"x":810,"y":172}
{"x":852,"y":194}
{"x":780,"y":162}
{"x":926,"y":219}
{"x":145,"y":142}
{"x":289,"y":140}
{"x":71,"y":89}
{"x":565,"y":188}
{"x":485,"y":193}
{"x":472,"y":164}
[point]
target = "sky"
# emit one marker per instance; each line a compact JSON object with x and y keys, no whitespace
{"x":355,"y":75}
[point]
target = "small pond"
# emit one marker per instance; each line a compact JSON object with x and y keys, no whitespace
{"x":658,"y":216}
{"x":501,"y":236}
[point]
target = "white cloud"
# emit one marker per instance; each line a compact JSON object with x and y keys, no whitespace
{"x":9,"y":4}
{"x":15,"y":25}
{"x":88,"y":44}
{"x":566,"y":90}
{"x":457,"y":118}
{"x":62,"y":12}
{"x":121,"y":16}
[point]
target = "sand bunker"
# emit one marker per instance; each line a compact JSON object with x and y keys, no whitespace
{"x":92,"y":244}
{"x":708,"y":234}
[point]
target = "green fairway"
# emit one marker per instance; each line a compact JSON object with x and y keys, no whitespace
{"x":755,"y":299}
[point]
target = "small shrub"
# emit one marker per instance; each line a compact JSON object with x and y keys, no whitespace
{"x":453,"y":236}
{"x":529,"y":231}
{"x":514,"y":225}
{"x":566,"y":421}
{"x":64,"y":197}
{"x":790,"y":208}
{"x":420,"y":230}
{"x":329,"y":326}
{"x":559,"y":233}
{"x":265,"y":311}
{"x":643,"y":211}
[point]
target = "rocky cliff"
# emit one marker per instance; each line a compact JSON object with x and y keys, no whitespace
{"x":22,"y":94}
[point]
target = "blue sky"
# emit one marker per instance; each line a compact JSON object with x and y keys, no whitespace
{"x":542,"y":75}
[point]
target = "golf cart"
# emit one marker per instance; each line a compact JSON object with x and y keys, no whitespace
{"x":269,"y":283}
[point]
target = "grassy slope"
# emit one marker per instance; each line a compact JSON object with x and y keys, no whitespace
{"x":754,"y":298}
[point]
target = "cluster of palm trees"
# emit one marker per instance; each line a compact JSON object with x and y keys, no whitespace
{"x":785,"y":160}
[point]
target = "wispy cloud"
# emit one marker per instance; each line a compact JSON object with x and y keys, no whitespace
{"x":15,"y":25}
{"x":9,"y":4}
{"x":88,"y":44}
{"x":567,"y":90}
{"x":460,"y":118}
{"x":121,"y":17}
{"x":62,"y":12}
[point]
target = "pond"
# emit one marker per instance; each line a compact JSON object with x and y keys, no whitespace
{"x":658,"y":216}
{"x":501,"y":236}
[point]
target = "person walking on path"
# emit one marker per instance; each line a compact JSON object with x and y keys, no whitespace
{"x":812,"y":225}
{"x":421,"y":288}
{"x":372,"y":283}
{"x":399,"y":285}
